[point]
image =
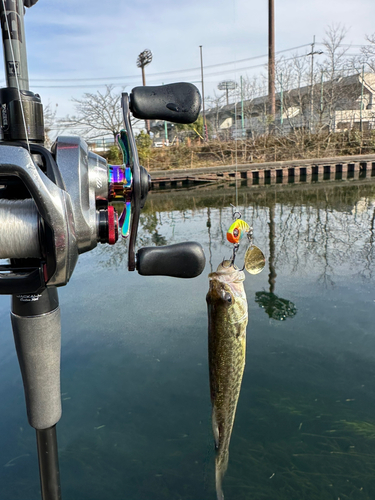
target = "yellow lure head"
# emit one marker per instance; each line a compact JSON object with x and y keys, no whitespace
{"x":237,"y":230}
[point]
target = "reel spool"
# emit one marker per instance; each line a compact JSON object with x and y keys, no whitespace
{"x":20,"y":230}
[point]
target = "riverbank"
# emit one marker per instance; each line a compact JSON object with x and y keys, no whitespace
{"x":271,"y":148}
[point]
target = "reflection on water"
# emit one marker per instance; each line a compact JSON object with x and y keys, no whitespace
{"x":136,"y":409}
{"x":274,"y":306}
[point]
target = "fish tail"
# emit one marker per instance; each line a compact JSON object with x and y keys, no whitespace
{"x":221,"y":465}
{"x":219,"y":491}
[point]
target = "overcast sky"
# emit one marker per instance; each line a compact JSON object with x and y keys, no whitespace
{"x":85,"y":44}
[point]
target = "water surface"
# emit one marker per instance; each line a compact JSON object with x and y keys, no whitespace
{"x":136,"y":410}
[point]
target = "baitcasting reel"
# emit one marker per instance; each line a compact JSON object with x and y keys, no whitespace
{"x":55,"y":205}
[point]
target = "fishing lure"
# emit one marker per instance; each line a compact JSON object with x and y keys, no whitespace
{"x":255,"y":260}
{"x":237,"y":231}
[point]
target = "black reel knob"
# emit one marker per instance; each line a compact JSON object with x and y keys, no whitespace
{"x":182,"y":260}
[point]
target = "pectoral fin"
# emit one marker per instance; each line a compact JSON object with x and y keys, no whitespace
{"x":215,"y":428}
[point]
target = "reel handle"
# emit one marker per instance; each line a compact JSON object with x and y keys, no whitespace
{"x":182,"y":260}
{"x":176,"y":102}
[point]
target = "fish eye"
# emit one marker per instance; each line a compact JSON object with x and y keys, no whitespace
{"x":226,"y":296}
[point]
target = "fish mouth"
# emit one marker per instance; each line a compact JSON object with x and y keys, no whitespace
{"x":227,"y":273}
{"x":233,"y":277}
{"x":224,"y":284}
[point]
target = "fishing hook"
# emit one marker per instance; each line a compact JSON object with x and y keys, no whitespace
{"x":231,"y":262}
{"x":249,"y":235}
{"x":235,"y":249}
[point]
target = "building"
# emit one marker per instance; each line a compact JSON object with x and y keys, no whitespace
{"x":337,"y":105}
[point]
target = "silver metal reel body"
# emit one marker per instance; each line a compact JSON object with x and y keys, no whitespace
{"x":72,"y":213}
{"x":85,"y":175}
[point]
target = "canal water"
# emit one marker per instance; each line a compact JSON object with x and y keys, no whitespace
{"x":135,"y":392}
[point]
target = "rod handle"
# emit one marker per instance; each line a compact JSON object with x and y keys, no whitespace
{"x":38,"y":345}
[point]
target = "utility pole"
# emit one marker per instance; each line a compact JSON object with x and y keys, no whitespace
{"x":242,"y":110}
{"x":143,"y":60}
{"x":271,"y":63}
{"x":312,"y":53}
{"x":203,"y":110}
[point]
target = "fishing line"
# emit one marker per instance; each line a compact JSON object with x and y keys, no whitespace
{"x":209,"y":236}
{"x":15,"y":74}
{"x":254,"y":260}
{"x":235,"y":109}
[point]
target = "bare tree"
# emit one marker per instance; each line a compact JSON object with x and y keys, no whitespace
{"x":335,"y":61}
{"x":293,"y":77}
{"x":334,"y":67}
{"x":214,"y":105}
{"x":49,"y":122}
{"x":255,"y":108}
{"x":368,"y":52}
{"x":97,"y":114}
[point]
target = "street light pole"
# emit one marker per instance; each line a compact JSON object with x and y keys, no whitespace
{"x":227,"y":85}
{"x":143,"y":59}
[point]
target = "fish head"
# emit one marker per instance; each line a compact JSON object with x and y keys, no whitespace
{"x":227,"y":290}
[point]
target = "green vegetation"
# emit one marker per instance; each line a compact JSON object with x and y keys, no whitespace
{"x":144,"y":147}
{"x":192,"y":130}
{"x":114,"y":155}
{"x":309,"y":453}
{"x":144,"y":144}
{"x":365,"y":429}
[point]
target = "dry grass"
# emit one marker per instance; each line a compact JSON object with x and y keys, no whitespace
{"x":263,"y":149}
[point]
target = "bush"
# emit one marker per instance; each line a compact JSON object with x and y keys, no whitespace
{"x":144,"y":146}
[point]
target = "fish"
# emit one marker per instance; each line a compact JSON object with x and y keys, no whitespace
{"x":227,"y":322}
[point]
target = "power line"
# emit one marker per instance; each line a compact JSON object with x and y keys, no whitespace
{"x":191,"y":78}
{"x":207,"y":75}
{"x":349,"y":45}
{"x":179,"y":71}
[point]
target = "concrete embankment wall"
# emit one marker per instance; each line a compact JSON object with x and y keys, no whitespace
{"x":257,"y":172}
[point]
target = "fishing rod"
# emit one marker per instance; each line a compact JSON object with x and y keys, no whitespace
{"x":55,"y":205}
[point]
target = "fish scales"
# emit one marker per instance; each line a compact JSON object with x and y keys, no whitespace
{"x":227,"y":321}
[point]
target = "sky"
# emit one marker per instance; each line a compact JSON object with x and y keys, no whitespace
{"x":78,"y":46}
